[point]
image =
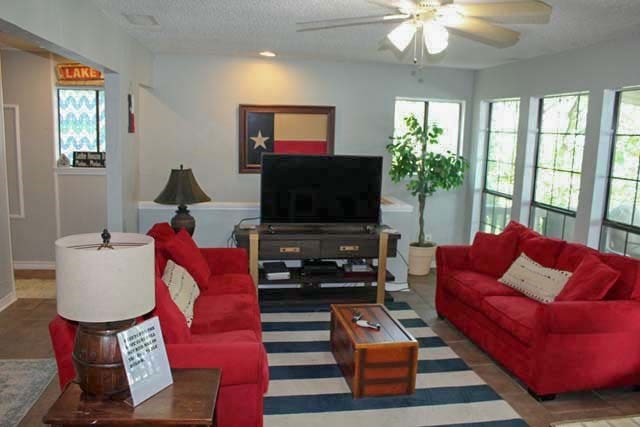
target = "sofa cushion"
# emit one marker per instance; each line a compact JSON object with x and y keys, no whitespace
{"x":493,"y":254}
{"x":543,"y":250}
{"x":183,"y":250}
{"x":628,"y":284}
{"x":572,"y":255}
{"x":182,"y":288}
{"x":535,"y":281}
{"x":241,"y":335}
{"x":222,"y":284}
{"x":517,"y":315}
{"x":590,"y":282}
{"x":228,"y":313}
{"x":172,"y":321}
{"x":161,"y":233}
{"x":471,"y":287}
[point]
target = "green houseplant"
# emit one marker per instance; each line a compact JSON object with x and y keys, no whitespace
{"x":425,"y":172}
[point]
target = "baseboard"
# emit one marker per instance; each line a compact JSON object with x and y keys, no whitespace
{"x":7,"y":300}
{"x":34,"y":265}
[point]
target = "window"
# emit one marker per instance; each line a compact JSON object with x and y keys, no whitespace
{"x":502,"y":141}
{"x":446,"y":114}
{"x":561,"y":133}
{"x":621,"y":230}
{"x":81,"y":121}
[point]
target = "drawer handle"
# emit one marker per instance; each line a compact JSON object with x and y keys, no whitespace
{"x":349,"y":248}
{"x":290,"y":250}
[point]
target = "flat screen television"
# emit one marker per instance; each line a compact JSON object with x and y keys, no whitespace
{"x":320,"y":189}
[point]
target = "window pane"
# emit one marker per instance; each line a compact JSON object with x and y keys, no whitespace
{"x":77,"y":111}
{"x":621,"y":197}
{"x":405,"y":108}
{"x":102,"y":121}
{"x":626,"y":156}
{"x":501,"y":146}
{"x":496,"y":213}
{"x":560,"y":151}
{"x":504,"y":116}
{"x":628,"y":113}
{"x":620,"y":242}
{"x":447,"y":116}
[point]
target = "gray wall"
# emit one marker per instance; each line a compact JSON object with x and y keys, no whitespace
{"x":28,"y":82}
{"x":191,"y":117}
{"x":599,"y":70}
{"x":7,"y":289}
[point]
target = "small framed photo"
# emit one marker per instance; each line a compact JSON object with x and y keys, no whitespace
{"x":89,"y":159}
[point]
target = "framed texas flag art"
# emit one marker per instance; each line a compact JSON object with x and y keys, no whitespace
{"x":283,"y":129}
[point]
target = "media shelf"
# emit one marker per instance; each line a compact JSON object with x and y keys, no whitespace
{"x":321,"y":243}
{"x":342,"y":277}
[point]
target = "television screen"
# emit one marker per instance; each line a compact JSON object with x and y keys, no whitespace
{"x":320,"y":189}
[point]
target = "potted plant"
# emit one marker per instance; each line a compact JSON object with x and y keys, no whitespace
{"x":426,"y":172}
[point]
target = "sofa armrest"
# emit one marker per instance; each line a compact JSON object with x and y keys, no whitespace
{"x":453,"y":257}
{"x":591,"y":317}
{"x":240,"y":362}
{"x":226,"y":260}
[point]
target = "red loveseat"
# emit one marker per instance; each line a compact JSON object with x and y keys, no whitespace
{"x":225,"y":332}
{"x":556,"y":347}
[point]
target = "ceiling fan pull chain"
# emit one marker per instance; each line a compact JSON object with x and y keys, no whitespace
{"x":415,"y":48}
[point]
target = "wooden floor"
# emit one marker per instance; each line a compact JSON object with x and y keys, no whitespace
{"x":24,"y":334}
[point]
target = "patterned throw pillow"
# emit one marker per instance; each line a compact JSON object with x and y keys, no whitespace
{"x":535,"y":281}
{"x":182,"y":287}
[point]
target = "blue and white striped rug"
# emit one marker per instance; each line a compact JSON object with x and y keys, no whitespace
{"x":307,"y":387}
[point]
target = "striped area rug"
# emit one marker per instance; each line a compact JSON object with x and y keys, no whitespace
{"x":307,"y":387}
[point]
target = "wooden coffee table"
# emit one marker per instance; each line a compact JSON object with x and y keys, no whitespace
{"x":374,"y":363}
{"x":189,"y":401}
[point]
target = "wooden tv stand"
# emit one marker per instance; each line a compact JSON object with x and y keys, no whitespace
{"x":300,"y":242}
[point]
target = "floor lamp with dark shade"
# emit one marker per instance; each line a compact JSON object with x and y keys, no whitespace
{"x":103,"y":282}
{"x":182,"y":189}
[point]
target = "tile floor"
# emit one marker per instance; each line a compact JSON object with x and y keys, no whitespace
{"x":571,"y":406}
{"x":24,"y":334}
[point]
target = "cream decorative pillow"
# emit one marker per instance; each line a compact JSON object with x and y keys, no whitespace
{"x":535,"y":281}
{"x":182,"y":287}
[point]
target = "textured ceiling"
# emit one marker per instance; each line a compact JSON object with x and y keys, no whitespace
{"x":245,"y":27}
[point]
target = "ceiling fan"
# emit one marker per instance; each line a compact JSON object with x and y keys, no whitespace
{"x":432,"y":20}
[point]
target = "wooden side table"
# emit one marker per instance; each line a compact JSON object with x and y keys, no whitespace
{"x":190,"y":401}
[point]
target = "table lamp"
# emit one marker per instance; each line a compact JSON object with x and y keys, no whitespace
{"x":104,"y":282}
{"x":182,"y":189}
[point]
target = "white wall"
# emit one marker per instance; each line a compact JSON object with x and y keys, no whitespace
{"x":191,"y":117}
{"x":7,"y":287}
{"x":599,"y":70}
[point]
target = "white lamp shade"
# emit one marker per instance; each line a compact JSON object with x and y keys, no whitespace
{"x":105,"y":285}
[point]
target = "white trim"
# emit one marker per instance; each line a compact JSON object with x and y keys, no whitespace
{"x":7,"y":300}
{"x":80,"y":171}
{"x":16,"y":124}
{"x":56,"y":141}
{"x":396,"y":206}
{"x":34,"y":265}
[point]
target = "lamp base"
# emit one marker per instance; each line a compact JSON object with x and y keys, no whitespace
{"x":183,"y":219}
{"x":98,"y":362}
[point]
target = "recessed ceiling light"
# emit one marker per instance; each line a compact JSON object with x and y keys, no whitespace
{"x":267,"y":53}
{"x":141,"y":20}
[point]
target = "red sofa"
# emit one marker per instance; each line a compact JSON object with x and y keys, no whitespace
{"x":556,"y":347}
{"x":225,"y":332}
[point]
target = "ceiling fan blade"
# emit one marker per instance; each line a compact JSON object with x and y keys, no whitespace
{"x":484,"y":32}
{"x":348,"y":22}
{"x":509,"y":12}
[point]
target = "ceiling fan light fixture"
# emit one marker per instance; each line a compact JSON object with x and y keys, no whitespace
{"x":436,"y":37}
{"x":402,"y":35}
{"x":449,"y":15}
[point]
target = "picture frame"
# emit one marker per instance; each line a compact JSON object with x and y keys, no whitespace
{"x":286,"y":129}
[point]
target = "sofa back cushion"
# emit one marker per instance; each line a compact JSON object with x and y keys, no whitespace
{"x":162,"y":233}
{"x":184,"y":251}
{"x":572,"y":255}
{"x":172,"y":321}
{"x":627,"y":286}
{"x":590,"y":281}
{"x":543,"y":250}
{"x":493,"y":254}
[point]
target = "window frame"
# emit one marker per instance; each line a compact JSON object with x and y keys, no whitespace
{"x":540,"y":205}
{"x":486,"y":190}
{"x":95,"y":89}
{"x":606,"y":222}
{"x":425,"y":117}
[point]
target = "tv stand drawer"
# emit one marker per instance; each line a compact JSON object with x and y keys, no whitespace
{"x":350,"y":248}
{"x":289,"y":249}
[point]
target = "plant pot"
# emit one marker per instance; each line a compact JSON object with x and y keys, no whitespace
{"x":420,"y":259}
